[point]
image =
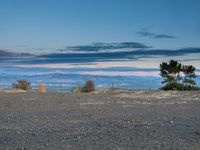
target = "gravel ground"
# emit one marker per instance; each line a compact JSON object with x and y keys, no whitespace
{"x":114,"y":119}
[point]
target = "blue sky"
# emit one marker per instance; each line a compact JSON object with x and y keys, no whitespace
{"x":82,"y":26}
{"x":55,"y":24}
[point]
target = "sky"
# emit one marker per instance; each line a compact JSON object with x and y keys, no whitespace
{"x":112,"y":30}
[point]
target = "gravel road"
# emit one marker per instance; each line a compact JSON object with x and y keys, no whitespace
{"x":118,"y":120}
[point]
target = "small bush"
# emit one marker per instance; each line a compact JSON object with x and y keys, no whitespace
{"x":42,"y":88}
{"x":22,"y":84}
{"x":88,"y":87}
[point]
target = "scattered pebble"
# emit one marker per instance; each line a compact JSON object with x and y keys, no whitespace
{"x":34,"y":134}
{"x":66,"y":125}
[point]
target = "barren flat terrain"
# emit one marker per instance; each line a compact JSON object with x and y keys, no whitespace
{"x":112,"y":119}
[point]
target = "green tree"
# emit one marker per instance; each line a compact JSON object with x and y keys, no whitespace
{"x":189,"y":76}
{"x":177,"y":76}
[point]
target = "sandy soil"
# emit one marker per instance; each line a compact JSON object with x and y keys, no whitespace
{"x":109,"y":119}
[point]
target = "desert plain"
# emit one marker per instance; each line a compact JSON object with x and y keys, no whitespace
{"x":105,"y":119}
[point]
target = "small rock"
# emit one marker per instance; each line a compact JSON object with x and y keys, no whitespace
{"x":197,"y":132}
{"x":34,"y":134}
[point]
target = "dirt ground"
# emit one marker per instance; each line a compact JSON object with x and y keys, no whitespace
{"x":109,"y":119}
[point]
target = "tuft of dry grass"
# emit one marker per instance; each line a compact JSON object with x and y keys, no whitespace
{"x":88,"y":87}
{"x":42,"y":88}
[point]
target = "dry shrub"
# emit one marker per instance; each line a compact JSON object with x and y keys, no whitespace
{"x":42,"y":88}
{"x":88,"y":87}
{"x":22,"y":84}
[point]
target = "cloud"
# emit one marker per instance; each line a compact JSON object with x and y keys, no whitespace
{"x":36,"y":49}
{"x":162,"y":36}
{"x":111,"y":56}
{"x":154,"y":35}
{"x":7,"y":53}
{"x":55,"y":58}
{"x":97,"y":47}
{"x":4,"y":53}
{"x":11,"y":57}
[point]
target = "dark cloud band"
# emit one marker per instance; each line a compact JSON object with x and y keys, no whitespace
{"x":7,"y":57}
{"x":154,"y":35}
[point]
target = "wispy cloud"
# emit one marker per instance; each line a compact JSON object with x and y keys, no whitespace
{"x":7,"y":53}
{"x":162,"y":36}
{"x":155,"y":35}
{"x":98,"y":47}
{"x":9,"y":57}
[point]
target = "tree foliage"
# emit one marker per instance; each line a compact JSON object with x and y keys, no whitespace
{"x":177,"y":76}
